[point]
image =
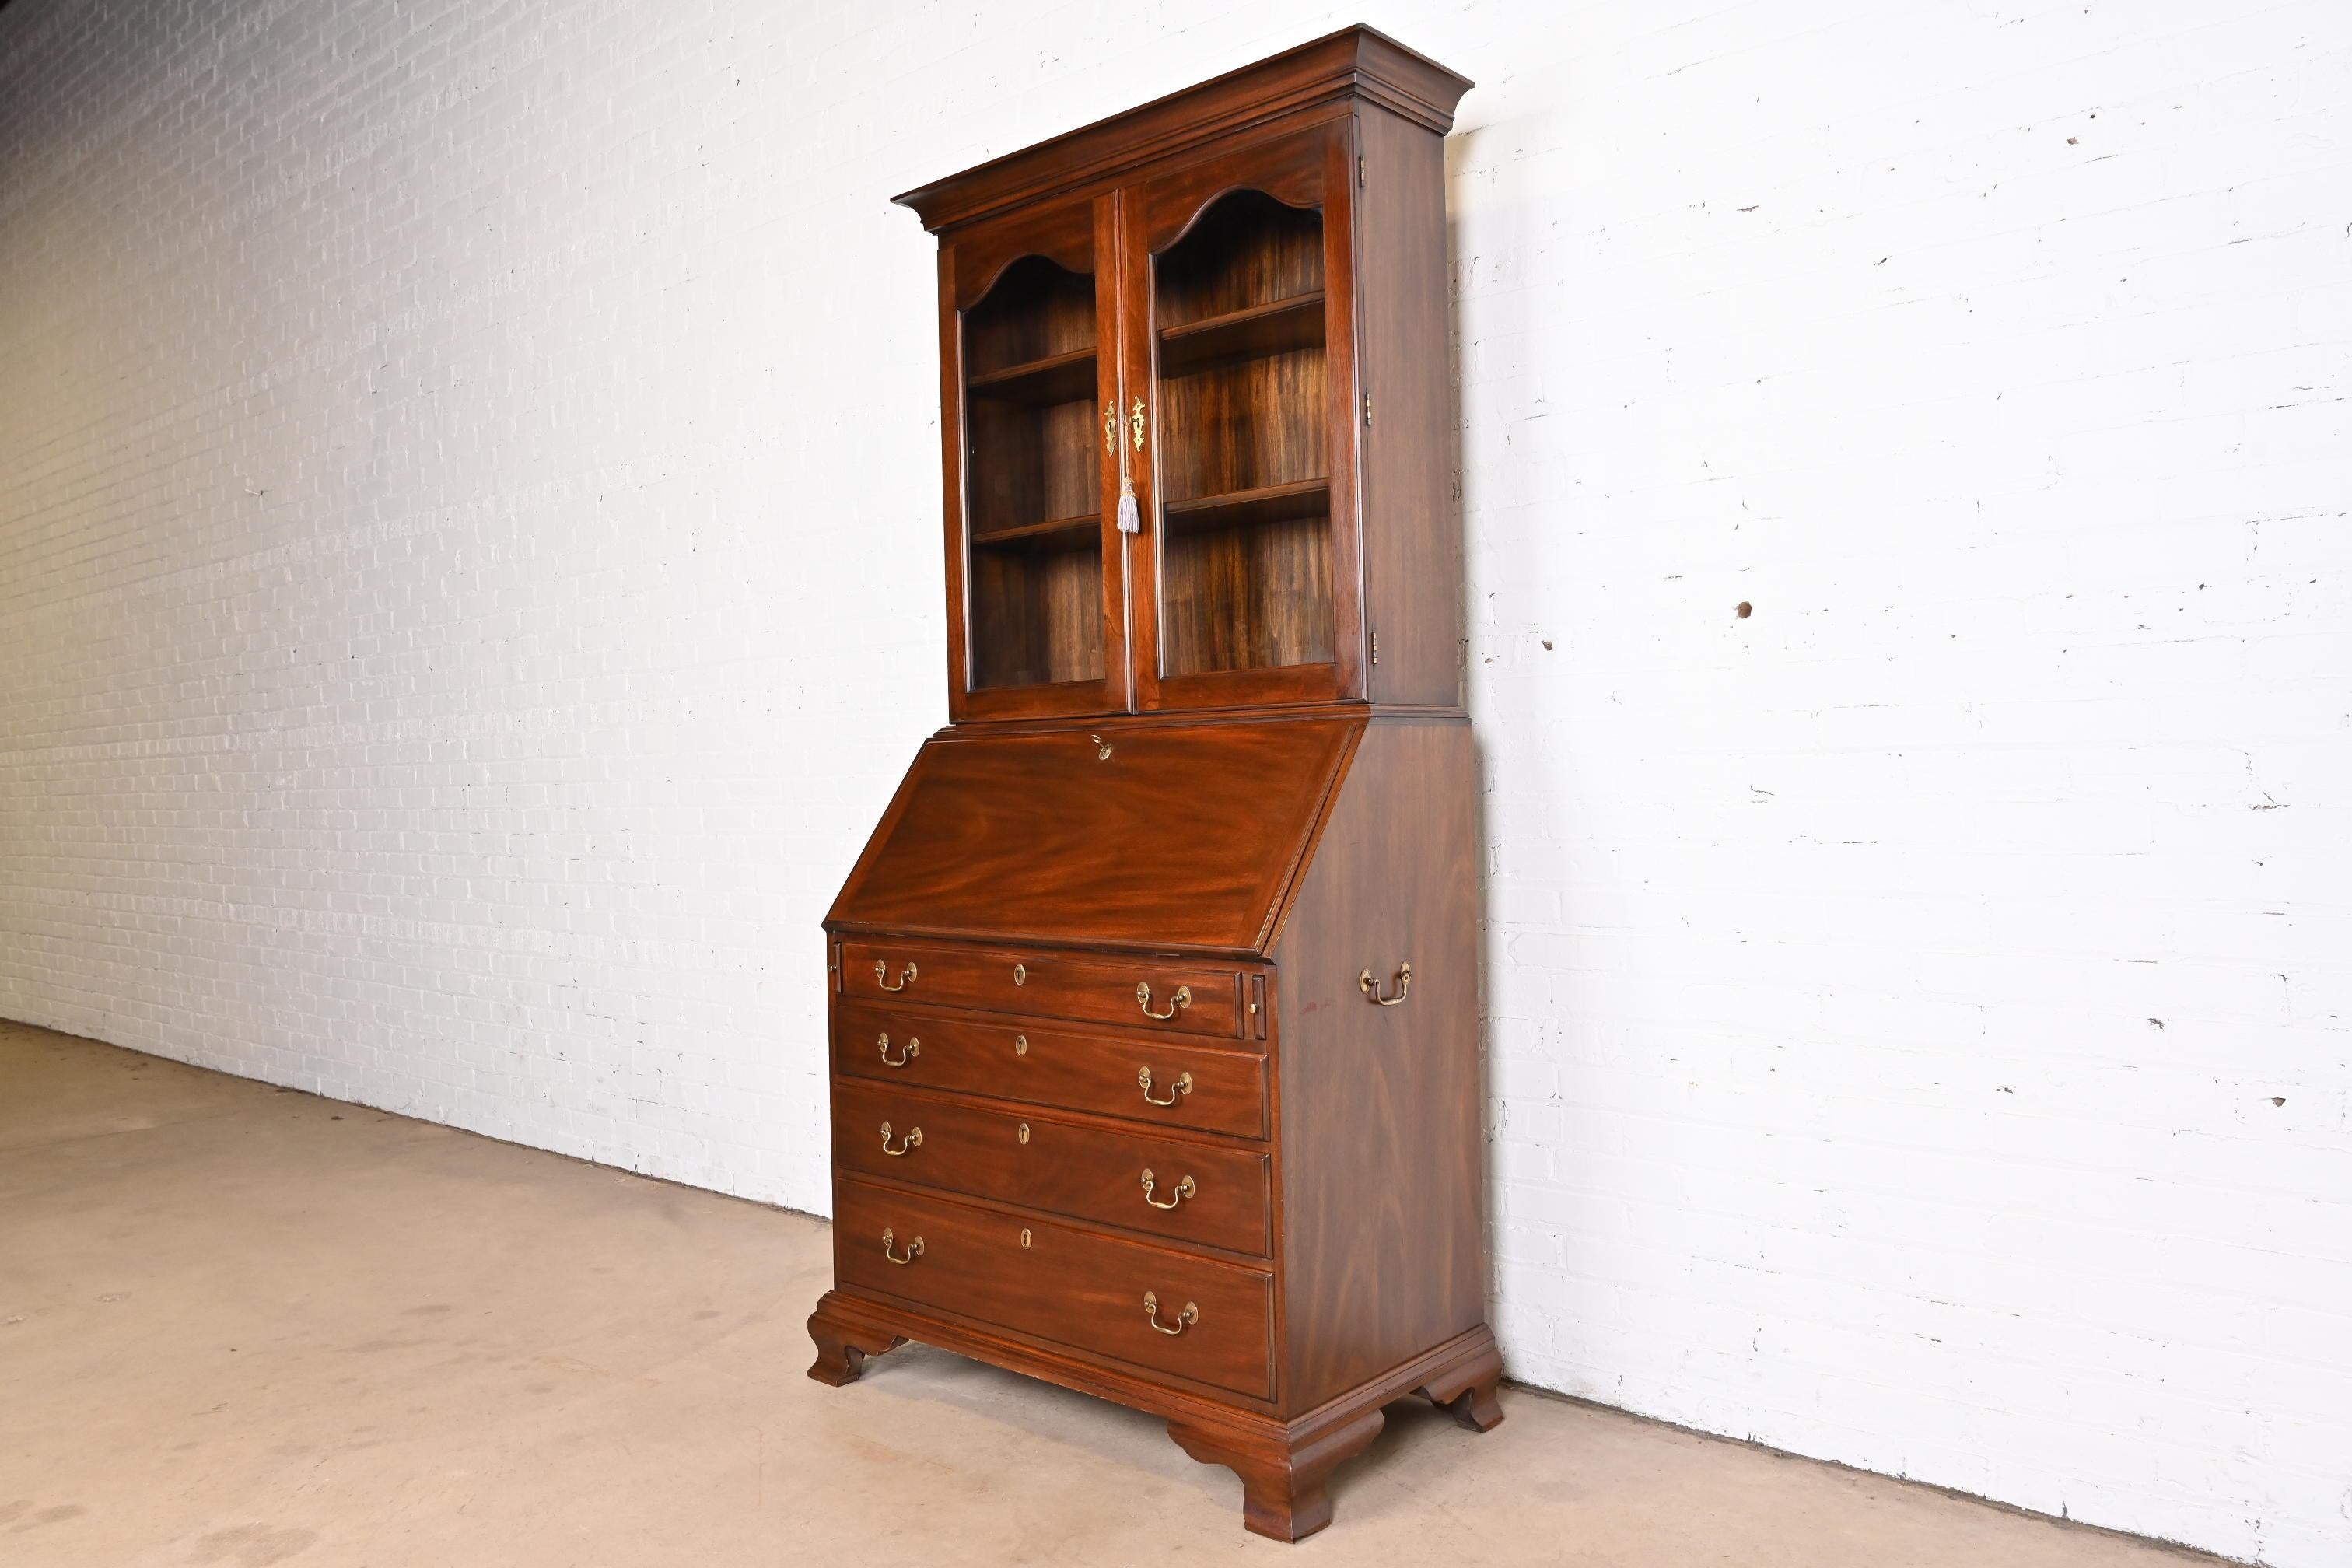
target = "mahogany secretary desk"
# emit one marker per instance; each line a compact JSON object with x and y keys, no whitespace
{"x":1154,"y":995}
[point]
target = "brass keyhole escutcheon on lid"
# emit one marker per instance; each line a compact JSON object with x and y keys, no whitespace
{"x":1024,"y":1235}
{"x":1023,"y":1133}
{"x":1020,"y":1045}
{"x":1020,"y":974}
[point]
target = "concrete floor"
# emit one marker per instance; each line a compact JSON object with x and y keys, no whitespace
{"x":241,"y":1326}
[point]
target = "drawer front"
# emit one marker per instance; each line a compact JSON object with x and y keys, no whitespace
{"x":1151,"y":994}
{"x":1197,"y":1192}
{"x":1162,"y":1082}
{"x":1069,"y":1285}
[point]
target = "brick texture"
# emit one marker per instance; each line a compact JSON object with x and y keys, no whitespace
{"x":469,"y":581}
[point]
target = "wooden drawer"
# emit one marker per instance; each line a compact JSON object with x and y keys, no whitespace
{"x":1069,"y":1285}
{"x":1200,"y":1191}
{"x":1187,"y":1086}
{"x":1179,"y":995}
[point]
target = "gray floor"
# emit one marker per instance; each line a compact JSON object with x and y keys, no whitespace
{"x":243,"y":1327}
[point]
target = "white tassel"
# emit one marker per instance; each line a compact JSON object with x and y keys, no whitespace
{"x":1130,"y":520}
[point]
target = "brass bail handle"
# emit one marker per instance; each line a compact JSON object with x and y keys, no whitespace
{"x":1184,"y":1319}
{"x":1176,"y":1004}
{"x":882,"y":976}
{"x":1183,"y":1190}
{"x":914,"y":1248}
{"x":1371,"y":989}
{"x":913,"y":1140}
{"x":913,"y":1049}
{"x":1176,"y":1091}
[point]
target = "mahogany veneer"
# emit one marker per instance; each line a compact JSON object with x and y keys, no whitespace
{"x":1154,"y":995}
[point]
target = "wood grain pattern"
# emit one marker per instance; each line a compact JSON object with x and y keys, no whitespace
{"x":1184,"y":838}
{"x":1379,"y":1112}
{"x":1039,"y":1162}
{"x":1194,"y":1086}
{"x":1072,"y":1285}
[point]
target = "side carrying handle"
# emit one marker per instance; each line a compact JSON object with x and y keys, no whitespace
{"x":1371,"y":989}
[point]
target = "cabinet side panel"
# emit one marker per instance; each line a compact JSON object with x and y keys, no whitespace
{"x":1411,"y":552}
{"x":1380,"y":1151}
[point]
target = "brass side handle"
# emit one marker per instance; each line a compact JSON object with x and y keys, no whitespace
{"x":914,"y":1248}
{"x":882,"y":976}
{"x":1183,"y":1190}
{"x":913,"y":1140}
{"x":1184,"y":1319}
{"x":914,"y":1047}
{"x":1176,"y":1091}
{"x":1371,"y":989}
{"x":1176,"y":1004}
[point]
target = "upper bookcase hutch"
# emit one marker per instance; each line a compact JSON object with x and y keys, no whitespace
{"x":1212,"y":303}
{"x":1154,"y":994}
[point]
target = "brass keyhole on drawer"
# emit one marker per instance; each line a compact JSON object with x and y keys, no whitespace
{"x":1020,"y":974}
{"x":1020,"y":1045}
{"x":1024,"y":1238}
{"x":1023,"y":1133}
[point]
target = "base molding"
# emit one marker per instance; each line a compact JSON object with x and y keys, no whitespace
{"x":1285,"y":1465}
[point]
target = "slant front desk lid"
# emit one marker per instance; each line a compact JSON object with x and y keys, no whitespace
{"x":1148,"y":836}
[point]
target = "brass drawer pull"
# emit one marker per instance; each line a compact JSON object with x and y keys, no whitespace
{"x":1177,"y":1004}
{"x":1371,"y":990}
{"x":1176,"y":1091}
{"x":1184,"y":1319}
{"x":914,"y":1249}
{"x":914,"y":1139}
{"x":1183,"y":1190}
{"x":882,"y":976}
{"x":914,"y":1048}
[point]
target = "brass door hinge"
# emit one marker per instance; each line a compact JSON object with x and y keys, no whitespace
{"x":1368,"y":411}
{"x":1376,"y":648}
{"x":1359,"y":171}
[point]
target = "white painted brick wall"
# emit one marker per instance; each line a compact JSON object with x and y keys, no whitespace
{"x":468,"y":579}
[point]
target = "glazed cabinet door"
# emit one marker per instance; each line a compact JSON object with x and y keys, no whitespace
{"x":1238,"y":323}
{"x":1028,"y":356}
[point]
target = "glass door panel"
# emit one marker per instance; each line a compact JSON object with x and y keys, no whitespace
{"x":1244,"y":465}
{"x":1034,"y":480}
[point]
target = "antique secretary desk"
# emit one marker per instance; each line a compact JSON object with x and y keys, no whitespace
{"x":1154,"y":996}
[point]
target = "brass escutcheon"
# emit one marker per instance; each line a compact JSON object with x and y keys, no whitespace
{"x":1023,"y":1133}
{"x":1020,"y":1045}
{"x":1020,"y":974}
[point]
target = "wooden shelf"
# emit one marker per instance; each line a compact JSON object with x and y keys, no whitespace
{"x":1053,"y":533}
{"x":1236,"y":509}
{"x":1276,"y":328}
{"x":1056,"y":378}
